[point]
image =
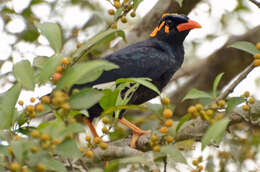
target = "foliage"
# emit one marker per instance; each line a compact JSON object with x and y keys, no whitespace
{"x":53,"y":145}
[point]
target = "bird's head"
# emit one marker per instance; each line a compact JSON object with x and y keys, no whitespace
{"x":174,"y":26}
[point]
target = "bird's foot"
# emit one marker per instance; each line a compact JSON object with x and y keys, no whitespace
{"x":136,"y":136}
{"x":136,"y":131}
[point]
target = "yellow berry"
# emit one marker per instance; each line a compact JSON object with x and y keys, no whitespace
{"x":195,"y":114}
{"x":132,"y":14}
{"x":106,"y":120}
{"x":257,"y":62}
{"x":32,"y":99}
{"x":65,"y":61}
{"x":123,"y":19}
{"x":39,"y":108}
{"x":258,"y":45}
{"x":169,"y":139}
{"x":204,"y":115}
{"x":164,"y":129}
{"x":246,"y":94}
{"x":154,"y":138}
{"x":79,"y":44}
{"x":45,"y":137}
{"x":59,"y":69}
{"x":45,"y":146}
{"x":156,"y":148}
{"x":105,"y":130}
{"x":200,"y":159}
{"x":45,"y":100}
{"x":89,"y":154}
{"x":245,"y":107}
{"x":88,"y":138}
{"x":103,"y":145}
{"x":191,"y":109}
{"x":35,"y":134}
{"x":195,"y":162}
{"x":114,"y":26}
{"x":20,"y":102}
{"x":117,"y":4}
{"x":34,"y":149}
{"x":40,"y":167}
{"x":65,"y":106}
{"x":167,"y":113}
{"x":111,"y":11}
{"x":257,"y":56}
{"x":210,"y":113}
{"x":97,"y":140}
{"x":25,"y":169}
{"x":10,"y":150}
{"x":131,"y":6}
{"x":200,"y":167}
{"x":251,"y":100}
{"x":55,"y":77}
{"x":219,"y":116}
{"x":198,"y":107}
{"x":14,"y":166}
{"x":32,"y":115}
{"x":56,"y":141}
{"x":168,"y":123}
{"x":165,"y":100}
{"x":82,"y":149}
{"x":214,"y":106}
{"x":30,"y":108}
{"x":221,"y":103}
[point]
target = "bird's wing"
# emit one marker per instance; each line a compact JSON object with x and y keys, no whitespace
{"x":134,"y":61}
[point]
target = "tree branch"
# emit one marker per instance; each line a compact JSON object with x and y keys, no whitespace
{"x":256,"y":3}
{"x":121,"y":148}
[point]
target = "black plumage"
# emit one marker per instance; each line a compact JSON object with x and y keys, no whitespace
{"x":157,"y":58}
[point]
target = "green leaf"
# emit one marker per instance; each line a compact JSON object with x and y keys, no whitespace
{"x":180,"y":2}
{"x":136,"y":3}
{"x":49,"y":68}
{"x":215,"y":132}
{"x":109,"y":98}
{"x":20,"y":148}
{"x":4,"y":150}
{"x":121,"y":107}
{"x":68,"y":149}
{"x":85,"y":98}
{"x":71,"y":129}
{"x":245,"y":46}
{"x":40,"y":61}
{"x":215,"y":84}
{"x":7,"y":106}
{"x":54,"y":165}
{"x":53,"y":33}
{"x":182,"y":121}
{"x":113,"y":166}
{"x":109,"y":34}
{"x":23,"y":72}
{"x":233,"y":102}
{"x":173,"y":153}
{"x":196,"y":94}
{"x":79,"y":73}
{"x":143,"y":81}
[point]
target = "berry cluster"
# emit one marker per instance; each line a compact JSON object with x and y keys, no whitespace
{"x":126,"y":6}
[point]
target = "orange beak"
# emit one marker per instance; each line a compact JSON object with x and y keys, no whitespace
{"x":191,"y":24}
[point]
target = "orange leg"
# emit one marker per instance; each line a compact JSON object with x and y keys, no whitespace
{"x":91,"y":127}
{"x":136,"y":131}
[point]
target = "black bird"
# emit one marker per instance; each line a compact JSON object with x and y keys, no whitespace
{"x":157,"y":58}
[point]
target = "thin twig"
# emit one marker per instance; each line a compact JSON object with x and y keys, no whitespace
{"x":256,"y":3}
{"x":165,"y":163}
{"x":242,"y":76}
